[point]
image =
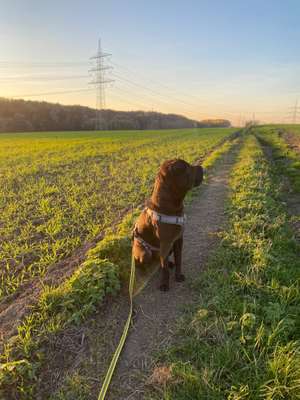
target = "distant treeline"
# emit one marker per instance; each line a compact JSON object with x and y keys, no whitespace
{"x":22,"y":116}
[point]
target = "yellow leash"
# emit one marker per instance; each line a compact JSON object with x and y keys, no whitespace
{"x":117,"y":353}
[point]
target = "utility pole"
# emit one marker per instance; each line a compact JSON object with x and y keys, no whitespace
{"x":99,"y":80}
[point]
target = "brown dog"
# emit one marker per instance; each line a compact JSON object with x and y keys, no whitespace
{"x":159,"y":229}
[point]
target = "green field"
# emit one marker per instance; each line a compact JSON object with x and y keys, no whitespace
{"x":238,"y":339}
{"x":60,"y":189}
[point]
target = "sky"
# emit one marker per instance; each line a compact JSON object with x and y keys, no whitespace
{"x":204,"y":59}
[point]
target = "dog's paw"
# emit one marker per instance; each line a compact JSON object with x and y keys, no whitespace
{"x":171,"y":265}
{"x":164,"y":287}
{"x":179,"y":277}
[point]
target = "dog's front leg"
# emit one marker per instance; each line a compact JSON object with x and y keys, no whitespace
{"x":165,"y":274}
{"x":177,"y":247}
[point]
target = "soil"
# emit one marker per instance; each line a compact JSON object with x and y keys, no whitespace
{"x":88,"y":349}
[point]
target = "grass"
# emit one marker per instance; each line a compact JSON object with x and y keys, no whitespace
{"x":241,"y":340}
{"x":287,"y":159}
{"x":76,"y":387}
{"x":106,"y":266}
{"x":58,"y":190}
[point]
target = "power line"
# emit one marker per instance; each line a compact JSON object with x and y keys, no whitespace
{"x":165,"y":98}
{"x":157,"y":99}
{"x":51,"y":93}
{"x":190,"y":96}
{"x":154,"y":98}
{"x":151,"y":90}
{"x":138,"y":105}
{"x":35,"y":78}
{"x":38,"y":64}
{"x":150,"y":101}
{"x":161,"y":85}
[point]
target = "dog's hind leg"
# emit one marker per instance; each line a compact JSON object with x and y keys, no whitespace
{"x":177,"y":247}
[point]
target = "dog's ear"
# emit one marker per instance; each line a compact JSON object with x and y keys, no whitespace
{"x":179,"y":167}
{"x":166,"y":169}
{"x":174,"y":168}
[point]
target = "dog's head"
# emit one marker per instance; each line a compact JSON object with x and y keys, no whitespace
{"x":180,"y":175}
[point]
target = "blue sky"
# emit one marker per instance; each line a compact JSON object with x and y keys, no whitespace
{"x":199,"y":58}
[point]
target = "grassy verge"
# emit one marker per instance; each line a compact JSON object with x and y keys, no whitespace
{"x":287,"y":159}
{"x":106,"y":266}
{"x":241,"y":340}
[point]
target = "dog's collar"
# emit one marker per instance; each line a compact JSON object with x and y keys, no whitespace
{"x":166,"y":219}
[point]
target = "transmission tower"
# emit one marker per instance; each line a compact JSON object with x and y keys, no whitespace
{"x":99,"y":80}
{"x":292,"y":113}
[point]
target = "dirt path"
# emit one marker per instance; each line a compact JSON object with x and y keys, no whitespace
{"x":88,"y":349}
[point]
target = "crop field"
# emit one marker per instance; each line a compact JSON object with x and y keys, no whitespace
{"x":236,"y":338}
{"x":61,"y":189}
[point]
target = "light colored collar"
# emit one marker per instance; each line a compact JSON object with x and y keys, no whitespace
{"x":166,"y":219}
